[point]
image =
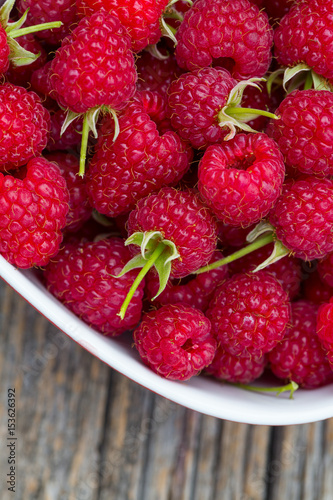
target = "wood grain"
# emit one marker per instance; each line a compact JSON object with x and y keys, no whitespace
{"x":86,"y":432}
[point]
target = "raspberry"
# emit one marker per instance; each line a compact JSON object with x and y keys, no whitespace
{"x":300,"y":356}
{"x":69,"y":139}
{"x":288,"y":271}
{"x":303,"y":217}
{"x":139,"y":162}
{"x":21,"y":75}
{"x":184,"y":220}
{"x":232,"y":236}
{"x":304,"y":131}
{"x":236,"y":369}
{"x":242,"y":178}
{"x":194,"y":102}
{"x":325,"y":270}
{"x":197,"y":292}
{"x":249,"y":314}
{"x":234,"y":35}
{"x":325,"y":328}
{"x":79,"y":207}
{"x":4,"y":51}
{"x":81,"y":277}
{"x":175,"y":341}
{"x":315,"y":290}
{"x":304,"y":36}
{"x":32,"y":213}
{"x":140,"y":18}
{"x":45,"y":11}
{"x":24,"y":126}
{"x":156,"y":74}
{"x":94,"y":66}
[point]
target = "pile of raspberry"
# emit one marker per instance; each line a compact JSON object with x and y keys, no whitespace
{"x":167,"y":169}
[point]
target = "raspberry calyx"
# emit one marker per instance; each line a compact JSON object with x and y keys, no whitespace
{"x":155,"y":252}
{"x":299,"y":76}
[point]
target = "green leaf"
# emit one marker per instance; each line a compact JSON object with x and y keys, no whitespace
{"x":135,"y":263}
{"x":261,"y":228}
{"x":163,"y":268}
{"x":18,"y":55}
{"x":5,"y":11}
{"x":278,"y":253}
{"x":17,"y":24}
{"x":70,"y":117}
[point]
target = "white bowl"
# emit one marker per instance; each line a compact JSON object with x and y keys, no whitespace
{"x":202,"y":394}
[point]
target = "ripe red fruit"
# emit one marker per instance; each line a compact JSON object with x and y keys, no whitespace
{"x":325,"y":270}
{"x":315,"y":290}
{"x":33,"y":210}
{"x":4,"y":51}
{"x":139,"y":161}
{"x":304,"y":36}
{"x":94,"y":66}
{"x":249,"y":314}
{"x":304,"y":131}
{"x":236,"y":369}
{"x":175,"y":341}
{"x":81,"y":277}
{"x":79,"y":206}
{"x":303,"y":217}
{"x":242,"y":178}
{"x":300,"y":356}
{"x":140,"y":18}
{"x":156,"y":74}
{"x":21,"y":75}
{"x":182,"y":218}
{"x":24,"y":126}
{"x":196,"y":291}
{"x":234,"y":35}
{"x":325,"y":328}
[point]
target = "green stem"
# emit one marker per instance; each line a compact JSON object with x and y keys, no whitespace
{"x":232,"y":111}
{"x":150,"y":262}
{"x":84,"y":145}
{"x":292,"y":387}
{"x":259,"y":243}
{"x":308,"y":81}
{"x":34,"y":29}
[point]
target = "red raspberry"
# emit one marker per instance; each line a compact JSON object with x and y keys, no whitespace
{"x":69,"y":139}
{"x":300,"y":356}
{"x":325,"y":270}
{"x":79,"y":207}
{"x":305,"y":130}
{"x":183,"y":219}
{"x":175,"y":341}
{"x":304,"y":36}
{"x":46,"y":11}
{"x":236,"y":369}
{"x":81,"y":277}
{"x":275,"y":9}
{"x":194,"y":102}
{"x":4,"y":51}
{"x":235,"y":35}
{"x":40,"y":80}
{"x":197,"y":292}
{"x":140,"y":18}
{"x":21,"y":75}
{"x":287,"y":271}
{"x":242,"y":178}
{"x":249,"y":314}
{"x":258,"y":98}
{"x":24,"y":126}
{"x":32,"y":213}
{"x":94,"y":66}
{"x":231,"y":236}
{"x":156,"y":74}
{"x":303,"y":217}
{"x":139,"y":162}
{"x":315,"y":290}
{"x":325,"y":328}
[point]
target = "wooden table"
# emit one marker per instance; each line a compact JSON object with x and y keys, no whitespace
{"x":84,"y":432}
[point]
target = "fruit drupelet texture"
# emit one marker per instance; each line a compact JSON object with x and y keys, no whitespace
{"x":300,"y":357}
{"x":140,"y":161}
{"x":234,"y":35}
{"x":325,"y":270}
{"x":81,"y":276}
{"x":325,"y":328}
{"x":94,"y":66}
{"x":33,"y":210}
{"x":303,"y":217}
{"x":4,"y":51}
{"x":24,"y":126}
{"x":242,"y":179}
{"x":140,"y":18}
{"x":175,"y":341}
{"x":249,"y":314}
{"x":183,"y":219}
{"x":304,"y":132}
{"x":304,"y":36}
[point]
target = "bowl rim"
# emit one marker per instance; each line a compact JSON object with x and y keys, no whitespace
{"x":201,"y":394}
